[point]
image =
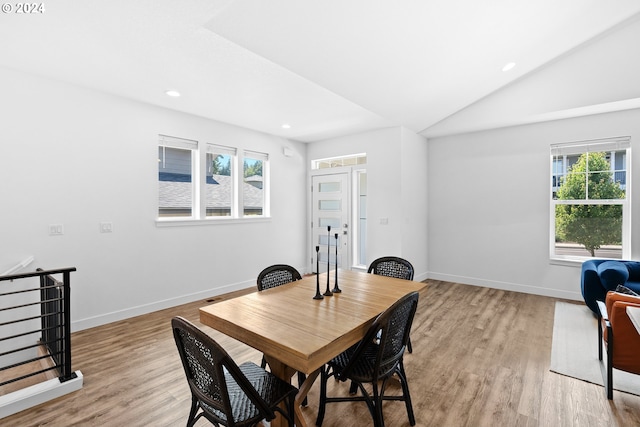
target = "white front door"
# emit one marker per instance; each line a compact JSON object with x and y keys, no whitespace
{"x":330,"y":217}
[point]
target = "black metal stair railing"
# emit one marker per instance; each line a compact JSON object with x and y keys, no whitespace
{"x":54,"y":326}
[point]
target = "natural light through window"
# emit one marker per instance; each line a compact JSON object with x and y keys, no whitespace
{"x":202,"y":181}
{"x":590,"y":199}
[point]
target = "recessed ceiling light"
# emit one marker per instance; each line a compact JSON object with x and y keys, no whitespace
{"x":509,"y":66}
{"x":286,"y":126}
{"x":173,"y":93}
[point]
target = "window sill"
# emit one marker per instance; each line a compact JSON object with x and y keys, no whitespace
{"x":180,"y":222}
{"x":567,"y":262}
{"x":577,"y":262}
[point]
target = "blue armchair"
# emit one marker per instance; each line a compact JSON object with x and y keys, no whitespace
{"x":600,"y":276}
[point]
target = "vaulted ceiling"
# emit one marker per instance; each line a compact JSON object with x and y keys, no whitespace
{"x":326,"y":68}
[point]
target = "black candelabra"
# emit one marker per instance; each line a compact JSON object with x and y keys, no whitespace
{"x":318,"y":294}
{"x":336,"y":289}
{"x":328,"y":292}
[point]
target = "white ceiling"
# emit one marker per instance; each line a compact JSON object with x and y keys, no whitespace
{"x":328,"y":68}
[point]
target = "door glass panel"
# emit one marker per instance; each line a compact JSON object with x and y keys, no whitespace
{"x":322,"y":240}
{"x":332,"y":258}
{"x":329,"y":205}
{"x":333,"y":222}
{"x":329,"y":187}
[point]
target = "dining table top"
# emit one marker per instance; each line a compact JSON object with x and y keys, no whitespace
{"x":287,"y":324}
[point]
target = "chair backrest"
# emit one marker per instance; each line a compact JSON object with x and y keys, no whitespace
{"x":387,"y":337}
{"x":392,"y":266}
{"x":276,"y":275}
{"x":213,"y":376}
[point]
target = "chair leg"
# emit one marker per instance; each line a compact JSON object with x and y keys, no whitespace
{"x":353,"y":388}
{"x":600,"y":338}
{"x":405,"y":392}
{"x":609,"y":381}
{"x":324,"y":377}
{"x":291,"y":410}
{"x":376,"y":405}
{"x":301,"y":378}
{"x":409,"y":348}
{"x":192,"y":414}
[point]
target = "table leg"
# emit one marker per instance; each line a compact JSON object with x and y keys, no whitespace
{"x":285,"y":373}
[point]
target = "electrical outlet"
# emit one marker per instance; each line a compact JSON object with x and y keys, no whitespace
{"x":106,"y":227}
{"x":56,"y":229}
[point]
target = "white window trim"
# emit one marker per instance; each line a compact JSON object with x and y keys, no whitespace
{"x":199,"y":175}
{"x":266,"y":206}
{"x":166,"y":141}
{"x":233,"y":152}
{"x":605,"y":144}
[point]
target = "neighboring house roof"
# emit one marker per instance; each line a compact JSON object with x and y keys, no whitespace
{"x":175,"y":192}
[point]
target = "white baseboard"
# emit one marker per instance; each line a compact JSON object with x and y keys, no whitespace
{"x":421,"y":277}
{"x":516,"y":287}
{"x":103,"y":319}
{"x":34,"y":395}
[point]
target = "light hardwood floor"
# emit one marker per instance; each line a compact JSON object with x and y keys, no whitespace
{"x":480,"y":358}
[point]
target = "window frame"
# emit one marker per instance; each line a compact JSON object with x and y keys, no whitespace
{"x":233,"y":153}
{"x":180,"y":144}
{"x":264,"y":158}
{"x":578,"y":148}
{"x":199,"y":169}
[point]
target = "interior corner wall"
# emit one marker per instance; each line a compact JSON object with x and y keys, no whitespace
{"x":489,"y":203}
{"x":414,"y":201}
{"x":389,"y":216}
{"x":78,"y":157}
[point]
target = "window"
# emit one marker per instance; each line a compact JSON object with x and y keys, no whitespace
{"x":201,"y":181}
{"x":590,"y":199}
{"x":336,"y":162}
{"x":175,"y":176}
{"x":360,"y":229}
{"x":219,"y":188}
{"x":253,"y":191}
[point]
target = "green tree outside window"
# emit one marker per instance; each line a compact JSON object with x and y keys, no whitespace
{"x":590,"y":225}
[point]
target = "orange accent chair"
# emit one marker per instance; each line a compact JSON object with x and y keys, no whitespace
{"x":620,"y":336}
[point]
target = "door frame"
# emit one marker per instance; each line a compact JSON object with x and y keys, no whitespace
{"x":351,"y":190}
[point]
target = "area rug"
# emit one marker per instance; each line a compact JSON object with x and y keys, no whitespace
{"x":574,"y":349}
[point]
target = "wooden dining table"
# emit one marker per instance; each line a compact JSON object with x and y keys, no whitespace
{"x":297,"y":333}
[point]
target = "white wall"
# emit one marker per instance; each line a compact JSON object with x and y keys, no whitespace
{"x":77,"y":157}
{"x":489,"y":203}
{"x":396,"y":184}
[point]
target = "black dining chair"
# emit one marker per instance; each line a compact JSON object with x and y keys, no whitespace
{"x":392,"y":266}
{"x":223,"y":392}
{"x":271,"y":277}
{"x":396,"y":267}
{"x":373,"y":361}
{"x":276,"y":275}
